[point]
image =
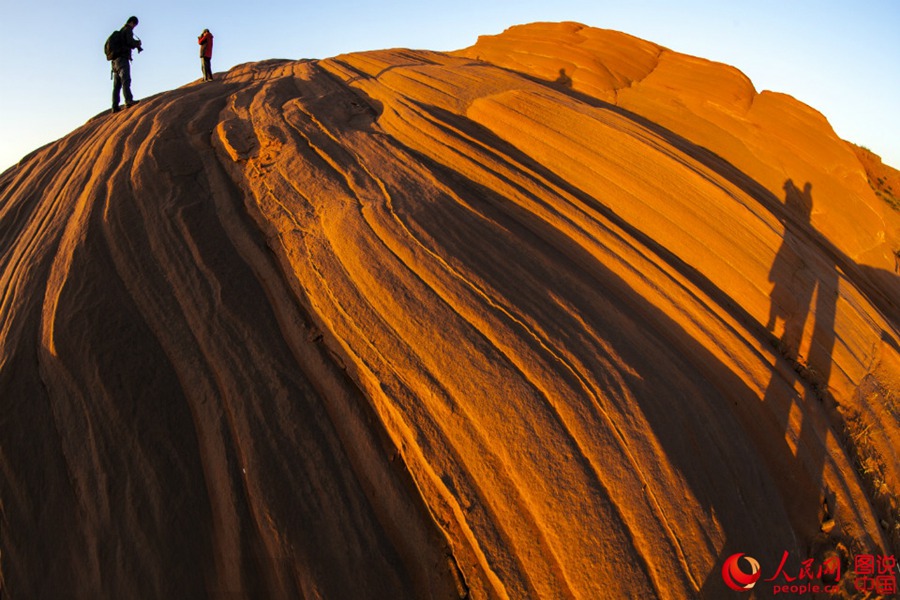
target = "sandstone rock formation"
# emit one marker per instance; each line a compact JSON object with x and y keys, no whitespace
{"x":564,"y":314}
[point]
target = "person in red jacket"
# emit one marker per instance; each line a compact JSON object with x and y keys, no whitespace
{"x":206,"y":43}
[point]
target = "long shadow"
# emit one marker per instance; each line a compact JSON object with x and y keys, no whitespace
{"x":798,"y":275}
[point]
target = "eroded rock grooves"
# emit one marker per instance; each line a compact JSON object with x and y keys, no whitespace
{"x":564,"y":314}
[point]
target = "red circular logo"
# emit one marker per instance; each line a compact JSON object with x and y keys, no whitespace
{"x":735,"y":577}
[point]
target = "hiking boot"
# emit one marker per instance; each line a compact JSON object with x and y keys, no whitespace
{"x":132,"y":103}
{"x":116,"y":109}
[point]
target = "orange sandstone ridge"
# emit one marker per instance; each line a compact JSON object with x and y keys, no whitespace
{"x":563,"y":314}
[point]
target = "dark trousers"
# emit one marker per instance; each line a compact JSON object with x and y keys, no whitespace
{"x":121,"y":68}
{"x":206,"y":66}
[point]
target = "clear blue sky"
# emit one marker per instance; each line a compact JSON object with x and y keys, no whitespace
{"x":840,"y":57}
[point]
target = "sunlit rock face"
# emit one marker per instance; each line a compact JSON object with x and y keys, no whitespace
{"x":563,"y":314}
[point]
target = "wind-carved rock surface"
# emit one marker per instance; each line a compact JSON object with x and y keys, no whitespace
{"x":564,"y":314}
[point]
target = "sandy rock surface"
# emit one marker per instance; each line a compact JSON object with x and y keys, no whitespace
{"x":564,"y":314}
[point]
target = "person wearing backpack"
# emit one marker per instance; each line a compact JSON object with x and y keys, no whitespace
{"x":206,"y":44}
{"x":118,"y":50}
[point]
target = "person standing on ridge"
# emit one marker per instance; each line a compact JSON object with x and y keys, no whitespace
{"x":119,"y":46}
{"x":206,"y":43}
